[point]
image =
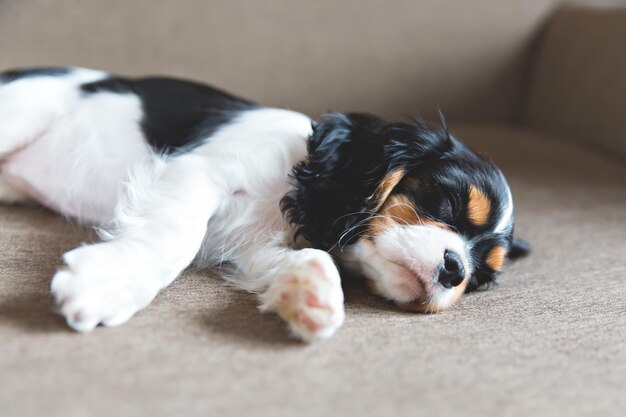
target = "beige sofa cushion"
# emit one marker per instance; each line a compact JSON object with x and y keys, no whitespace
{"x":579,"y":82}
{"x":392,"y":57}
{"x":549,"y":340}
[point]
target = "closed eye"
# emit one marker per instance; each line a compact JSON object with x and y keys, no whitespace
{"x":450,"y":208}
{"x":455,"y":202}
{"x":446,"y":210}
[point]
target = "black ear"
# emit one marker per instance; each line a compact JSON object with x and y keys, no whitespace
{"x":332,"y":186}
{"x":519,"y":249}
{"x":327,"y":156}
{"x":344,"y":144}
{"x":354,"y":160}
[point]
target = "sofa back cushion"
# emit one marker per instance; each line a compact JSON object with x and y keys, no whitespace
{"x":578,"y":87}
{"x":393,"y":57}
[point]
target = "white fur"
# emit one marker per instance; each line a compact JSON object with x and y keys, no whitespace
{"x":506,"y":216}
{"x":85,"y":157}
{"x":403,"y":262}
{"x":54,"y":134}
{"x":306,"y":292}
{"x":147,"y":249}
{"x":30,"y":105}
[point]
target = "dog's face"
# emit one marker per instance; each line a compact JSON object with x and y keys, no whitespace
{"x":421,"y":215}
{"x":441,"y":227}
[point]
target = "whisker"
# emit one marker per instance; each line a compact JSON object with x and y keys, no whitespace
{"x":359,"y":224}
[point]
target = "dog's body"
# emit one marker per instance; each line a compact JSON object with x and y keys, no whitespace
{"x":172,"y":172}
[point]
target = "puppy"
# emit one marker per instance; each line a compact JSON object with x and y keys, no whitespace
{"x":174,"y":173}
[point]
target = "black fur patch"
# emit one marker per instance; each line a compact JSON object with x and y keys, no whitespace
{"x":518,"y":249}
{"x":178,"y":115}
{"x":349,"y":155}
{"x":12,"y":75}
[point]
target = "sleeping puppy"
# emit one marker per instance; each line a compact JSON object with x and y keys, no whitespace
{"x":175,"y":173}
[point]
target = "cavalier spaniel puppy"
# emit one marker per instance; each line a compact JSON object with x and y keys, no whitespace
{"x":175,"y":173}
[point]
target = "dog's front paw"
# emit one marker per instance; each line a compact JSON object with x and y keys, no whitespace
{"x":309,"y":298}
{"x":97,"y":287}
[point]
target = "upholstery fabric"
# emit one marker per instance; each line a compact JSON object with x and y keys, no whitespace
{"x":578,"y":88}
{"x":548,"y":340}
{"x":392,"y":57}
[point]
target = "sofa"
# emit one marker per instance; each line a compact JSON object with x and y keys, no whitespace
{"x":538,"y":85}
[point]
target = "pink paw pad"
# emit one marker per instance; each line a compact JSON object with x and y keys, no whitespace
{"x":310,"y":299}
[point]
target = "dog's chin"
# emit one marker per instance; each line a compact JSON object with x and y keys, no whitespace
{"x":440,"y":300}
{"x":412,"y":289}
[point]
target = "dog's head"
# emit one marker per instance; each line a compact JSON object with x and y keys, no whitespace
{"x":417,"y":212}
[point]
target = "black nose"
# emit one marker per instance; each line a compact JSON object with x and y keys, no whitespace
{"x":452,"y":271}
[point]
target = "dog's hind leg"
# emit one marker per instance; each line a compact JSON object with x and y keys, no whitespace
{"x":32,"y":100}
{"x":28,"y":107}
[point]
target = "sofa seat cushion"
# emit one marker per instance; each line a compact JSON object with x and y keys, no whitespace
{"x":549,"y":340}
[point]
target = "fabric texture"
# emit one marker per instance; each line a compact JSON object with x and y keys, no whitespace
{"x":579,"y":82}
{"x":393,"y":57}
{"x":548,"y":340}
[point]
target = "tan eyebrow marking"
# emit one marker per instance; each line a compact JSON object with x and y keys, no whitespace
{"x":385,"y":187}
{"x":399,"y":209}
{"x":478,"y":207}
{"x":495,"y":258}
